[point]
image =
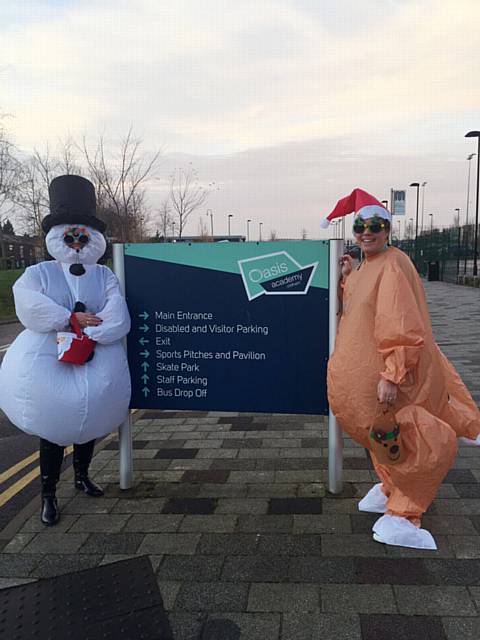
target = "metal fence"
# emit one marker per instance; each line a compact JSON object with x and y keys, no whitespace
{"x":446,"y":253}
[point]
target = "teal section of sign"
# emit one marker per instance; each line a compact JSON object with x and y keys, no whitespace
{"x":228,"y":257}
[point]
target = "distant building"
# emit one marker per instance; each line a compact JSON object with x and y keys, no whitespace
{"x":17,"y":252}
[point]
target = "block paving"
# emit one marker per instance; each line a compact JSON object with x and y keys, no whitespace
{"x":246,"y":541}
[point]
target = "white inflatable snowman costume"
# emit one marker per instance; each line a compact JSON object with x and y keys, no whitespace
{"x":66,"y":403}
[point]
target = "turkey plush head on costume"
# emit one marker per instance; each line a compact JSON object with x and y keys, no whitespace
{"x":74,"y":235}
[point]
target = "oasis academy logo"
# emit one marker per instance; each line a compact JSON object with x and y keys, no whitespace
{"x":275,"y":274}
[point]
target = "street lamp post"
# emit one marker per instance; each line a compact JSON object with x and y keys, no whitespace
{"x":457,"y":209}
{"x":230,"y":216}
{"x":417,"y":185}
{"x":430,"y":243}
{"x":210,"y":213}
{"x":476,"y":134}
{"x":423,"y":206}
{"x":173,"y":230}
{"x":248,"y":230}
{"x":410,"y":236}
{"x":469,"y":160}
{"x":385,"y":204}
{"x":260,"y":231}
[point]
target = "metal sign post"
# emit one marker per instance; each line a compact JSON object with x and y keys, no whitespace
{"x":335,"y":440}
{"x":254,"y":279}
{"x":125,"y":429}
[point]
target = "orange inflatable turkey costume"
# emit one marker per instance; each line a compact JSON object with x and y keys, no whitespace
{"x":385,"y":332}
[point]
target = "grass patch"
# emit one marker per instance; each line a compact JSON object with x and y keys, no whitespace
{"x":7,"y":278}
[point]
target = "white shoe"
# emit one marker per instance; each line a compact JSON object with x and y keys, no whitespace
{"x":375,"y":501}
{"x":400,"y":532}
{"x":471,"y":443}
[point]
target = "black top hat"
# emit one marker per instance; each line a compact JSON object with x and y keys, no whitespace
{"x":72,"y":201}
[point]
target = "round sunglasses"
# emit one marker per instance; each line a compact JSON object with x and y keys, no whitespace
{"x":75,"y":236}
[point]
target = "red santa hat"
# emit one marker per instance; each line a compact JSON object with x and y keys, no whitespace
{"x":360,"y":202}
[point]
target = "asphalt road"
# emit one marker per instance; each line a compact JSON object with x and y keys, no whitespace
{"x":15,"y":446}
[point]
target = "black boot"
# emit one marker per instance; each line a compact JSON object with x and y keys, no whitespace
{"x":50,"y":514}
{"x":82,"y":456}
{"x":51,"y":457}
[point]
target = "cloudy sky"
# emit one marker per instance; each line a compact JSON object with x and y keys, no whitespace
{"x":286,"y":104}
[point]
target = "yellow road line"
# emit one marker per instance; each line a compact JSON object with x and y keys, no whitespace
{"x":24,"y":463}
{"x":20,"y":484}
{"x":18,"y":467}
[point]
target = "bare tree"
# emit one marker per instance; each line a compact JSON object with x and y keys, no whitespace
{"x":120,"y":184}
{"x":67,"y":156}
{"x":203,"y":232}
{"x":10,"y":169}
{"x":273,"y":235}
{"x":46,"y":164}
{"x":186,"y":195}
{"x":165,"y":220}
{"x":31,"y":194}
{"x":303,"y":234}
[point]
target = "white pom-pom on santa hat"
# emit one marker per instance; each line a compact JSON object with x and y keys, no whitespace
{"x":360,"y":202}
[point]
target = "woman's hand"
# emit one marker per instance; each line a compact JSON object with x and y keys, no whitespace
{"x":387,"y":392}
{"x":347,"y":265}
{"x":88,"y":319}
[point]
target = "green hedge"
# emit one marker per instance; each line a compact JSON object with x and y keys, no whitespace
{"x":7,"y":278}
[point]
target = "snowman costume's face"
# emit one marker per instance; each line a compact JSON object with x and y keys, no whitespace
{"x":75,"y":244}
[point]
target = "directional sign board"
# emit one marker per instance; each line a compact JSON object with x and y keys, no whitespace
{"x":229,"y":326}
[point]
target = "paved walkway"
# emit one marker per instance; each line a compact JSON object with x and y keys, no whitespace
{"x":455,"y":313}
{"x":246,"y":544}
